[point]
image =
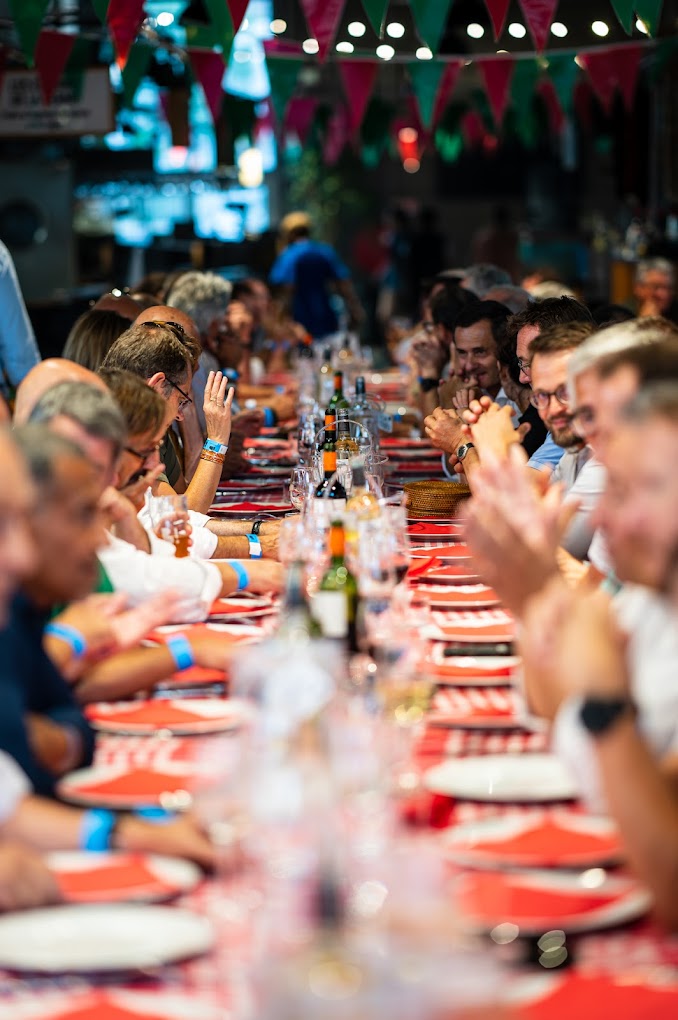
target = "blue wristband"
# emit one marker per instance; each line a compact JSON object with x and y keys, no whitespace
{"x":70,"y":635}
{"x":240,"y":570}
{"x":269,"y":417}
{"x":96,"y":829}
{"x":254,"y":543}
{"x":214,"y":447}
{"x":180,"y":649}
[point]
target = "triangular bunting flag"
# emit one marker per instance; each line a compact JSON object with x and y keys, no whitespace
{"x":539,"y":15}
{"x":78,"y":62}
{"x":219,"y":32}
{"x":124,"y":19}
{"x":564,"y":72}
{"x":549,"y":96}
{"x":358,"y":79}
{"x":649,"y":12}
{"x":300,"y":115}
{"x":523,"y":87}
{"x":612,"y":69}
{"x":51,"y":56}
{"x":208,"y":68}
{"x":449,"y":80}
{"x":27,"y":16}
{"x":497,"y":73}
{"x":602,"y":75}
{"x":624,"y":11}
{"x":472,"y":128}
{"x":376,"y":12}
{"x":134,"y":70}
{"x":322,"y":17}
{"x":498,"y":9}
{"x":100,"y":9}
{"x":627,"y":60}
{"x":237,"y":9}
{"x":282,"y":75}
{"x":336,"y":136}
{"x":426,"y":76}
{"x":430,"y":19}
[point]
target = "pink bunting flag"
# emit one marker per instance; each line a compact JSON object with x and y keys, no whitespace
{"x":322,"y":17}
{"x":51,"y":56}
{"x":208,"y":68}
{"x":613,"y":69}
{"x":124,"y":19}
{"x":539,"y":15}
{"x":300,"y":114}
{"x":445,"y":89}
{"x":472,"y":128}
{"x":547,"y":91}
{"x":237,"y":9}
{"x":358,"y":78}
{"x":497,"y":73}
{"x":498,"y":9}
{"x":336,"y":136}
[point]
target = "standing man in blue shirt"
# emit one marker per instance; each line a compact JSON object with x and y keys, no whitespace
{"x":18,"y":349}
{"x":308,"y":272}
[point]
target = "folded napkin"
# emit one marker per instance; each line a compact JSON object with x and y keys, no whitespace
{"x":153,"y":713}
{"x":546,"y":843}
{"x":495,"y":897}
{"x":252,"y":508}
{"x":420,"y":567}
{"x":141,"y":785}
{"x":98,"y":1006}
{"x":127,"y":877}
{"x":580,"y":996}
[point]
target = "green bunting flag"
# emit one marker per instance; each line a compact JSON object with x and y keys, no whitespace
{"x":100,"y":9}
{"x":430,"y":17}
{"x":624,"y":11}
{"x":27,"y":16}
{"x":523,"y":85}
{"x":282,"y":75}
{"x":649,"y":12}
{"x":564,"y":73}
{"x":376,"y":12}
{"x":78,"y":62}
{"x":134,"y":70}
{"x":219,"y":32}
{"x":425,"y":76}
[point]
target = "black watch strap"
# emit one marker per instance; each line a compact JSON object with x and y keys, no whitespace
{"x":255,"y":527}
{"x":598,"y":714}
{"x":426,"y":385}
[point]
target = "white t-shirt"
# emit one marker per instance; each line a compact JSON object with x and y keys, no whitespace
{"x":584,"y":480}
{"x":204,"y":542}
{"x":14,"y":786}
{"x":142,"y":575}
{"x":651,"y":622}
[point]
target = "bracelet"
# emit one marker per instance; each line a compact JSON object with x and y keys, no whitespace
{"x":270,"y":417}
{"x":213,"y":458}
{"x":240,"y":570}
{"x":96,"y":829}
{"x":74,"y":638}
{"x":180,"y":649}
{"x":214,"y":447}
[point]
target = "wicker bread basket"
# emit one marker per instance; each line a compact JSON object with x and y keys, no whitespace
{"x":432,"y":498}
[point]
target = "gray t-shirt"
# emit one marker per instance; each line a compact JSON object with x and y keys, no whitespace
{"x":583,"y":478}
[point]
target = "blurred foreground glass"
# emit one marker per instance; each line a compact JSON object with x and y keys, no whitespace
{"x":171,"y":522}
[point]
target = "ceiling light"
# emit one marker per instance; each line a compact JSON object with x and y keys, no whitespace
{"x":559,"y":29}
{"x":408,"y":135}
{"x":310,"y":46}
{"x":411,"y":165}
{"x":424,"y":53}
{"x":278,"y":26}
{"x":385,"y":51}
{"x":600,"y":28}
{"x":165,"y":19}
{"x":475,"y":30}
{"x":517,"y":30}
{"x":356,"y":29}
{"x":640,"y":25}
{"x":395,"y":30}
{"x":345,"y":47}
{"x":579,"y":62}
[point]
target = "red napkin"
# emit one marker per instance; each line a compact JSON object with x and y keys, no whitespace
{"x":154,"y":713}
{"x":198,"y":675}
{"x":494,"y":897}
{"x":423,"y":566}
{"x":99,"y":1007}
{"x":253,"y":508}
{"x":447,"y":552}
{"x":442,"y":669}
{"x":406,"y":444}
{"x":433,"y":527}
{"x":548,"y":844}
{"x":143,"y":785}
{"x":459,"y":573}
{"x":583,"y":998}
{"x":425,"y":809}
{"x":127,"y":878}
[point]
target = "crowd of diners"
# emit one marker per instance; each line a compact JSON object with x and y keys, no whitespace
{"x":563,"y":421}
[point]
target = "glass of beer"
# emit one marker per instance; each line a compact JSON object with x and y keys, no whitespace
{"x":169,"y":515}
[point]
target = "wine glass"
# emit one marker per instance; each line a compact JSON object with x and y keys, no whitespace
{"x":170,"y":520}
{"x":300,"y":486}
{"x":396,"y":517}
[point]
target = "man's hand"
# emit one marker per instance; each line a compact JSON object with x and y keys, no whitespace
{"x":463,"y":397}
{"x":428,"y":355}
{"x":25,"y":881}
{"x":182,"y":837}
{"x":494,"y":433}
{"x":135,"y":490}
{"x":445,"y":430}
{"x":217,"y":407}
{"x":57,"y":748}
{"x":265,"y":576}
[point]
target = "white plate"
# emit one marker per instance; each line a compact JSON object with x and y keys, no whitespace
{"x":54,"y":1004}
{"x":85,"y":939}
{"x":473,"y":844}
{"x":177,"y":875}
{"x":519,"y":778}
{"x":175,"y":797}
{"x":632,"y":900}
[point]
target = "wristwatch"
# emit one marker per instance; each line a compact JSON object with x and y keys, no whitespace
{"x":464,"y":449}
{"x":426,"y":384}
{"x":256,"y":527}
{"x":255,"y":547}
{"x":598,"y":715}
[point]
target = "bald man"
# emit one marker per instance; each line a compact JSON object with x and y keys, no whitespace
{"x":116,"y":301}
{"x":43,"y":377}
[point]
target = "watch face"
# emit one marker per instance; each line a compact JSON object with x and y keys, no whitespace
{"x":462,"y":451}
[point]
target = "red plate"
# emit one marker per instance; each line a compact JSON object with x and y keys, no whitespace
{"x":539,"y":901}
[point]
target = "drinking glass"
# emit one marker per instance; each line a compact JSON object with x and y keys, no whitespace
{"x":171,"y":522}
{"x":300,"y":487}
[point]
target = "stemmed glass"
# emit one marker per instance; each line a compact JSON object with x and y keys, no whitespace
{"x":300,"y":487}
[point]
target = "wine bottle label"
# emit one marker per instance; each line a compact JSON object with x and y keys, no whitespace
{"x":330,"y":610}
{"x":329,"y":460}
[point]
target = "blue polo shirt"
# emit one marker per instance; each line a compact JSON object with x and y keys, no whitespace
{"x":310,"y":267}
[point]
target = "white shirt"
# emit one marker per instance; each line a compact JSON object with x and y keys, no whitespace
{"x":584,"y":480}
{"x":204,"y":542}
{"x":14,"y":786}
{"x":142,"y":575}
{"x":651,"y":622}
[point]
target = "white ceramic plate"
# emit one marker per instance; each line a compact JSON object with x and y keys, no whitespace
{"x":519,"y":778}
{"x":491,"y":842}
{"x":137,"y":718}
{"x":54,"y":1005}
{"x":167,"y":876}
{"x":83,"y":939}
{"x":139,"y":787}
{"x":485,"y":900}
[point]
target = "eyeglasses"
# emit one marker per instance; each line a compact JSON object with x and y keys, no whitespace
{"x":542,"y":398}
{"x":143,"y":455}
{"x":584,"y":421}
{"x":187,"y":400}
{"x":524,"y":365}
